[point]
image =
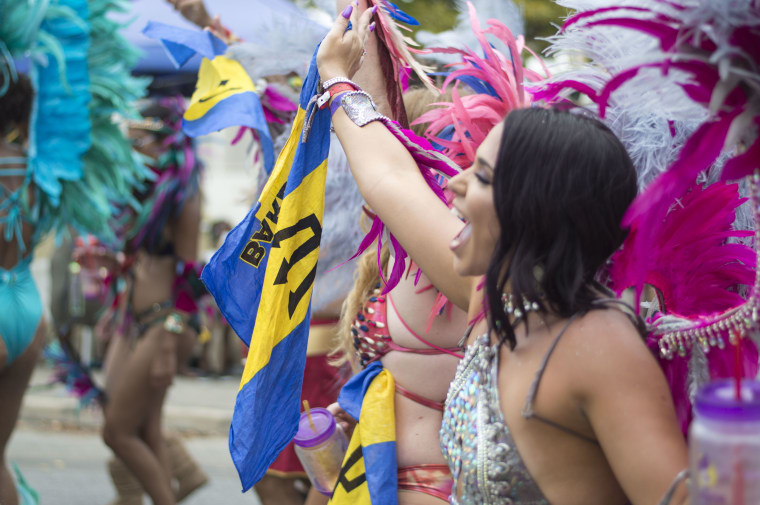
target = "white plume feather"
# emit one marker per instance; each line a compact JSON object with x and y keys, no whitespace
{"x":462,"y":36}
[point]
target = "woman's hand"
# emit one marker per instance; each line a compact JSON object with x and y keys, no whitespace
{"x":345,"y":421}
{"x":341,"y":52}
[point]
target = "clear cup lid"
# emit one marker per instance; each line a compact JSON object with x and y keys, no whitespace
{"x":717,"y":401}
{"x":324,"y":423}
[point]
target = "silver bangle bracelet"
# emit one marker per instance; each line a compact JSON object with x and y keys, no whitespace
{"x":336,"y":80}
{"x":360,"y":108}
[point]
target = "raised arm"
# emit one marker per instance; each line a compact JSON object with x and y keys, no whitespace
{"x":386,"y":174}
{"x":370,"y":75}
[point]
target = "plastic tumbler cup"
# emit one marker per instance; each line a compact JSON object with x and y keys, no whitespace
{"x":724,"y":445}
{"x":321,"y":452}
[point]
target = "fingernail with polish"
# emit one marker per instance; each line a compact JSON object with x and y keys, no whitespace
{"x":372,"y":27}
{"x":374,"y":10}
{"x":347,"y":11}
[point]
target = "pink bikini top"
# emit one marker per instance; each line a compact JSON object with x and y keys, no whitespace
{"x":372,"y":340}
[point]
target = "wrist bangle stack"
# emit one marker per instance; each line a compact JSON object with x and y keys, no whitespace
{"x":336,"y":103}
{"x":332,"y":91}
{"x":344,"y":93}
{"x":335,"y":80}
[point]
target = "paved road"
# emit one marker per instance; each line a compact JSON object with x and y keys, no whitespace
{"x":68,"y":468}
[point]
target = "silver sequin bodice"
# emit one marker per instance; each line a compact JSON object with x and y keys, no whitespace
{"x":475,"y":439}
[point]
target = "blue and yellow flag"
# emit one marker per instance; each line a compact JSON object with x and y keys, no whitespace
{"x":225,"y":96}
{"x":369,"y":471}
{"x":262,"y":278}
{"x":224,"y":93}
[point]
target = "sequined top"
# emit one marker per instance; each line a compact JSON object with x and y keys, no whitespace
{"x":475,"y":439}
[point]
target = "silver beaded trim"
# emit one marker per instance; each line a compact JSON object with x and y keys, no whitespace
{"x":336,"y":80}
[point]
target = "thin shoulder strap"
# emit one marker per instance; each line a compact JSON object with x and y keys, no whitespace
{"x":527,"y":411}
{"x":462,"y":343}
{"x":626,"y":309}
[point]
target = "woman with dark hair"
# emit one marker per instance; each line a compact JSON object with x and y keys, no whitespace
{"x":558,"y":399}
{"x":158,"y":312}
{"x":21,"y":325}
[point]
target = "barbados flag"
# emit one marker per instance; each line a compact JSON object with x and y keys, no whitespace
{"x":369,"y":474}
{"x":262,"y":278}
{"x":225,"y":96}
{"x":224,"y":93}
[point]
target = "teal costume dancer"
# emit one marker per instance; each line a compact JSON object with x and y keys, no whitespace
{"x":22,"y":306}
{"x":79,"y":168}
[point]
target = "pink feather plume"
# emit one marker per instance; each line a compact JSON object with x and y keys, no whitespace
{"x":474,"y":115}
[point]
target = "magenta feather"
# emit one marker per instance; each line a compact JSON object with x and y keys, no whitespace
{"x":278,"y":108}
{"x":667,"y":35}
{"x":581,"y":16}
{"x":693,"y":267}
{"x":744,"y":164}
{"x":680,"y":230}
{"x":696,"y":272}
{"x":720,"y":365}
{"x":398,"y":44}
{"x":649,"y":209}
{"x":430,"y":163}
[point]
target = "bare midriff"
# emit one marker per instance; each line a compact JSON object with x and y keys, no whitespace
{"x":427,"y":375}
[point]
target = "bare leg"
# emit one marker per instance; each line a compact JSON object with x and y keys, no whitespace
{"x":152,"y":434}
{"x":131,"y":415}
{"x":116,"y":357}
{"x":13,"y":381}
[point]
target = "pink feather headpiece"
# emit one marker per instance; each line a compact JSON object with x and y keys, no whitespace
{"x":712,"y":52}
{"x":498,"y":83}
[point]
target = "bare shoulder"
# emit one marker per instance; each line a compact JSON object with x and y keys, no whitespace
{"x":607,"y":350}
{"x":605,"y":330}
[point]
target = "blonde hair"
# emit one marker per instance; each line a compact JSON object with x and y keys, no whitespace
{"x":417,"y":101}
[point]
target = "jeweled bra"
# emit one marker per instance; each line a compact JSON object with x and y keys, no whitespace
{"x":475,"y":439}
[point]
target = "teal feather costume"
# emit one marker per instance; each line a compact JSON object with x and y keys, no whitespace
{"x":80,"y":163}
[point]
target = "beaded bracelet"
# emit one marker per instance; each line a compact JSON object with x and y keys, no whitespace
{"x":335,"y":80}
{"x":335,"y":89}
